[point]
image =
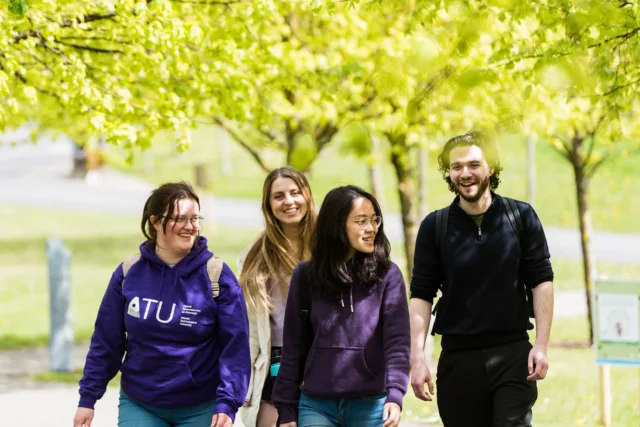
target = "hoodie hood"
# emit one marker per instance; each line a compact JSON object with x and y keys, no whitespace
{"x":198,"y":256}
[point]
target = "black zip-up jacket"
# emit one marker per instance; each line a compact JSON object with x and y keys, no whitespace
{"x":482,"y":271}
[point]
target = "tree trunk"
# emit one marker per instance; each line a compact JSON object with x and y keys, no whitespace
{"x":531,"y":170}
{"x":375,"y":173}
{"x":423,"y":152}
{"x":577,"y":159}
{"x":400,"y":158}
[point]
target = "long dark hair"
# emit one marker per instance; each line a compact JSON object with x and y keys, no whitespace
{"x":330,"y":270}
{"x":488,"y":147}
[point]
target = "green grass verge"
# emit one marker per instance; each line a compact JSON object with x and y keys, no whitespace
{"x":98,"y":243}
{"x":613,"y":196}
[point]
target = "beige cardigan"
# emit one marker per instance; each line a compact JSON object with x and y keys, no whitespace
{"x":260,"y":348}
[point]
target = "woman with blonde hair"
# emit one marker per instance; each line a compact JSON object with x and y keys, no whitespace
{"x":265,"y":269}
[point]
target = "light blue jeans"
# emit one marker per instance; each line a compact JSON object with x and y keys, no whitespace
{"x":356,"y":412}
{"x":133,"y":414}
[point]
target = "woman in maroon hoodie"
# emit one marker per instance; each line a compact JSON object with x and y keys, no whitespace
{"x":356,"y":371}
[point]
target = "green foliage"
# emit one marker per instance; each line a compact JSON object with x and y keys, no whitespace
{"x":18,"y":7}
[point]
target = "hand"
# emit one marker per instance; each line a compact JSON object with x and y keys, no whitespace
{"x":247,"y":404}
{"x":538,"y":363}
{"x":419,"y":376}
{"x":83,"y":417}
{"x":391,"y":414}
{"x":221,"y":420}
{"x":292,"y":424}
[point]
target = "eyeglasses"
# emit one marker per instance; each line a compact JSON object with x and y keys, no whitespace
{"x":196,"y":221}
{"x":363,"y":223}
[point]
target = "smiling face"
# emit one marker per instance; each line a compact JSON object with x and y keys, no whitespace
{"x":362,"y":226}
{"x":469,"y":172}
{"x":288,"y":205}
{"x":183,"y":226}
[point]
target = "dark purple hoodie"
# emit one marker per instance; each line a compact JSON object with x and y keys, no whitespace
{"x":361,"y":345}
{"x":182,"y":346}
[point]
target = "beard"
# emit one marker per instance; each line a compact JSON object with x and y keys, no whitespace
{"x":482,"y":187}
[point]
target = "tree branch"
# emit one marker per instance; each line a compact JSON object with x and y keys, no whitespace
{"x":92,"y":17}
{"x":565,"y":145}
{"x":89,"y":48}
{"x":625,"y":36}
{"x":617,"y":88}
{"x":235,"y":135}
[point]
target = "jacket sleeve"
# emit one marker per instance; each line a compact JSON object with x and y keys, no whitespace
{"x":286,"y":392}
{"x":254,"y":346}
{"x":396,"y":336}
{"x":108,"y":344}
{"x":254,"y":350}
{"x":233,"y":338}
{"x":535,"y":264}
{"x":427,"y":274}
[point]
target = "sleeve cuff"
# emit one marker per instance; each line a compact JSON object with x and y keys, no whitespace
{"x":226,"y":409}
{"x":288,"y":415}
{"x":395,"y":395}
{"x":87,"y":402}
{"x":423,"y":295}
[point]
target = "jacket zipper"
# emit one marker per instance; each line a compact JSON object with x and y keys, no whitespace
{"x":479,"y":231}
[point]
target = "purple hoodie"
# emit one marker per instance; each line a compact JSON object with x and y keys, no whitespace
{"x":361,"y":347}
{"x":182,"y":347}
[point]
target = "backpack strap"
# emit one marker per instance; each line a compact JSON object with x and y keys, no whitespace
{"x":214,"y":269}
{"x":126,"y":266}
{"x":513,"y":213}
{"x":442,"y":221}
{"x":306,"y":339}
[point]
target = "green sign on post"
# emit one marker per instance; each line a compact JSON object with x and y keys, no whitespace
{"x":617,"y":322}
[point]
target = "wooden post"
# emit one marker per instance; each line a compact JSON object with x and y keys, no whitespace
{"x":605,"y":394}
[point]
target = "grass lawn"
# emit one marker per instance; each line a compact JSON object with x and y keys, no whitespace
{"x":614,"y":199}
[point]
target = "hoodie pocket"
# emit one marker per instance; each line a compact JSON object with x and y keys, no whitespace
{"x":339,"y":370}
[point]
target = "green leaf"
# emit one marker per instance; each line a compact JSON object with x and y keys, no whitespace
{"x":18,"y":7}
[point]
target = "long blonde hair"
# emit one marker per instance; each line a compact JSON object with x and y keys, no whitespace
{"x":271,"y":256}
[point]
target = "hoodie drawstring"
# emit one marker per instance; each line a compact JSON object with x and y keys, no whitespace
{"x":350,"y":297}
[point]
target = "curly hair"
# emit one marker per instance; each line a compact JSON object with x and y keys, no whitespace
{"x":488,"y":147}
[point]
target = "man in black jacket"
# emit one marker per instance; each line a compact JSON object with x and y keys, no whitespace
{"x":483,"y":265}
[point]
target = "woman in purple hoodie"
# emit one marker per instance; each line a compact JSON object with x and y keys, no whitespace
{"x":356,"y":371}
{"x":186,"y":352}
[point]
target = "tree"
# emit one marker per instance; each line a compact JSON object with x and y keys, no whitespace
{"x":582,"y":59}
{"x":306,"y":85}
{"x":124,"y":68}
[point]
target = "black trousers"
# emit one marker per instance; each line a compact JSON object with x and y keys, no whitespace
{"x":486,"y":387}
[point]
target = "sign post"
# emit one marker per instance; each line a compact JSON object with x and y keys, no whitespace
{"x":617,"y":332}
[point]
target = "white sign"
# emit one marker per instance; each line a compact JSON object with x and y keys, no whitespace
{"x":618,"y":318}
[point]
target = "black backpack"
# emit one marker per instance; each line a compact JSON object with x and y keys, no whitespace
{"x":442,"y":221}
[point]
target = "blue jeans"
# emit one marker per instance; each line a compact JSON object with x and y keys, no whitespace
{"x":133,"y":414}
{"x":327,"y":412}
